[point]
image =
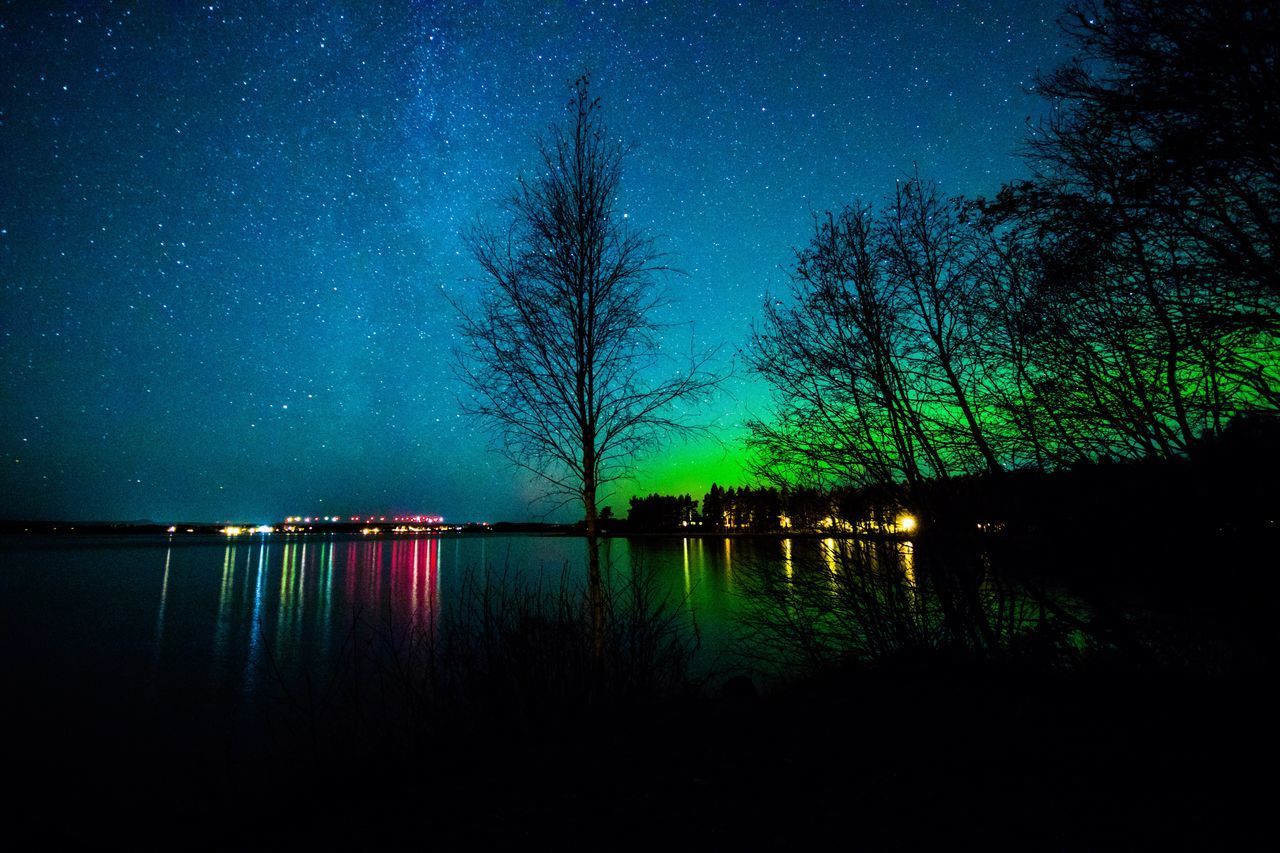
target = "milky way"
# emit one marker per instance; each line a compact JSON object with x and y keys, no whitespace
{"x":227,"y":233}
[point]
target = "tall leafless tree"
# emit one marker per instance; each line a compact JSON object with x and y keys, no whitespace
{"x":563,"y":353}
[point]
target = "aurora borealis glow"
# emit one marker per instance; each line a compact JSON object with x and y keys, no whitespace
{"x":225,"y":230}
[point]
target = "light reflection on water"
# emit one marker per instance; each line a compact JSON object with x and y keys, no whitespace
{"x":830,"y":555}
{"x":222,"y":619}
{"x":164,"y":595}
{"x":290,"y":602}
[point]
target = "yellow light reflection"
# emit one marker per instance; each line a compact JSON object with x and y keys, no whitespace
{"x":829,"y":552}
{"x":222,"y":628}
{"x":228,"y":579}
{"x":286,"y":567}
{"x":907,"y":551}
{"x":687,"y":586}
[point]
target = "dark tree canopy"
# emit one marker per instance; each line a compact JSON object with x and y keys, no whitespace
{"x":1160,"y":173}
{"x":1123,"y":302}
{"x":1173,"y":108}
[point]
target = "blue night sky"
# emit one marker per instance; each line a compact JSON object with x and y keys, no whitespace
{"x":227,"y":230}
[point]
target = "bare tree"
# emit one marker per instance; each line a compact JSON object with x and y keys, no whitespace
{"x":563,"y":353}
{"x":931,"y":258}
{"x":834,"y":357}
{"x":876,"y":361}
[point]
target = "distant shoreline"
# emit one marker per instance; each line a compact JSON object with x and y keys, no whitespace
{"x":182,"y":530}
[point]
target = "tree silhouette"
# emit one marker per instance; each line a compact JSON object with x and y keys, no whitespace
{"x":931,"y":252}
{"x":1161,"y":159}
{"x":834,"y":357}
{"x":875,"y":362}
{"x":562,"y":354}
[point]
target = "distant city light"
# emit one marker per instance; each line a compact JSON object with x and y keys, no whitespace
{"x":365,"y":519}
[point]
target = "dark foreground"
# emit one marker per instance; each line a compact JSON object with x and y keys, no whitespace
{"x":908,"y":760}
{"x":911,"y":754}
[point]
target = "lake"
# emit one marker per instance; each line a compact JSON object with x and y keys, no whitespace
{"x":141,"y":673}
{"x":145,"y":700}
{"x":202,"y":614}
{"x":173,"y":644}
{"x":128,"y":658}
{"x":209,"y":625}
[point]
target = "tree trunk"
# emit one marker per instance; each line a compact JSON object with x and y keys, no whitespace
{"x":595,"y":583}
{"x":975,"y":430}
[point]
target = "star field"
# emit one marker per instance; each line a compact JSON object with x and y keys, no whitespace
{"x":227,"y":231}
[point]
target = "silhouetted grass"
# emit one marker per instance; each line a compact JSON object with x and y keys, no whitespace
{"x":509,"y":658}
{"x":884,"y":602}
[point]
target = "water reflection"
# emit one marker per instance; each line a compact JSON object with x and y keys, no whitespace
{"x":226,"y":590}
{"x":164,"y":597}
{"x":254,"y":612}
{"x":326,"y":598}
{"x":829,"y":555}
{"x":285,"y":601}
{"x":907,"y":560}
{"x":231,"y":619}
{"x":253,"y":659}
{"x":415,"y":585}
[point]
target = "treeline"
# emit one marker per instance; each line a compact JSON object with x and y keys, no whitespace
{"x":745,"y":509}
{"x":1224,"y":483}
{"x":1122,"y":303}
{"x":765,"y":509}
{"x":662,"y":512}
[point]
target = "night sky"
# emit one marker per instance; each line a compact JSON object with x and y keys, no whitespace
{"x":226,"y":233}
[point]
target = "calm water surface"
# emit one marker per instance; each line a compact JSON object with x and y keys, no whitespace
{"x":124,"y":620}
{"x":134,"y":667}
